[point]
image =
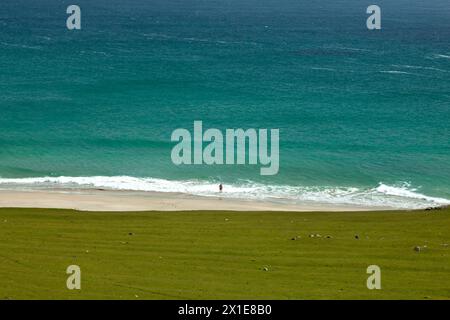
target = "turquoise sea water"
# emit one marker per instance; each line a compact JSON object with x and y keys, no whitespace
{"x":363,"y":115}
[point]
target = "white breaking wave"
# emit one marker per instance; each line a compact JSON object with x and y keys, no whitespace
{"x":394,"y":72}
{"x":384,"y":196}
{"x":418,"y":67}
{"x":444,"y":56}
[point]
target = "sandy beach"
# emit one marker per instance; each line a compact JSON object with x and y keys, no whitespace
{"x":101,"y":200}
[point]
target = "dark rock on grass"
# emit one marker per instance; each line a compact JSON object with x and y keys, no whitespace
{"x":436,"y":208}
{"x":420,"y":248}
{"x":356,"y":237}
{"x":295,"y":238}
{"x":131,"y":234}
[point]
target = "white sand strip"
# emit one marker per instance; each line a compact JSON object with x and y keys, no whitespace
{"x":99,"y":200}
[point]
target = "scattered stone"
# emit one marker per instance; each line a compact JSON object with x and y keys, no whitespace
{"x":356,"y":237}
{"x":87,"y":251}
{"x":318,"y":236}
{"x":226,"y":219}
{"x":130,"y":233}
{"x":296,"y":238}
{"x":266,"y":268}
{"x":311,"y":236}
{"x":435,"y":208}
{"x":329,"y":237}
{"x":420,"y":248}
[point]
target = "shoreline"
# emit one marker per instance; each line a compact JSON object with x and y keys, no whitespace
{"x":109,"y":200}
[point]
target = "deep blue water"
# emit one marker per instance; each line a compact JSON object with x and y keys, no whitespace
{"x":363,"y":115}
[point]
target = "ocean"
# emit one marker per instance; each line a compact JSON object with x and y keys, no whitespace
{"x":363,"y":114}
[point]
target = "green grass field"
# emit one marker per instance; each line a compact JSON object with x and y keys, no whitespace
{"x":224,"y":255}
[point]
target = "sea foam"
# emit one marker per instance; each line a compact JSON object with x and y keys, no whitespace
{"x":382,"y":196}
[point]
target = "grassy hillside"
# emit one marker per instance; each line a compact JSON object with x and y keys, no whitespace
{"x":224,"y":255}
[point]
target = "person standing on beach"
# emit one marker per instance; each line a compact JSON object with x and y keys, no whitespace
{"x":220,"y":187}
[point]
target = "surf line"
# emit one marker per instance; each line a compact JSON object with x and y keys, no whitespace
{"x":240,"y":145}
